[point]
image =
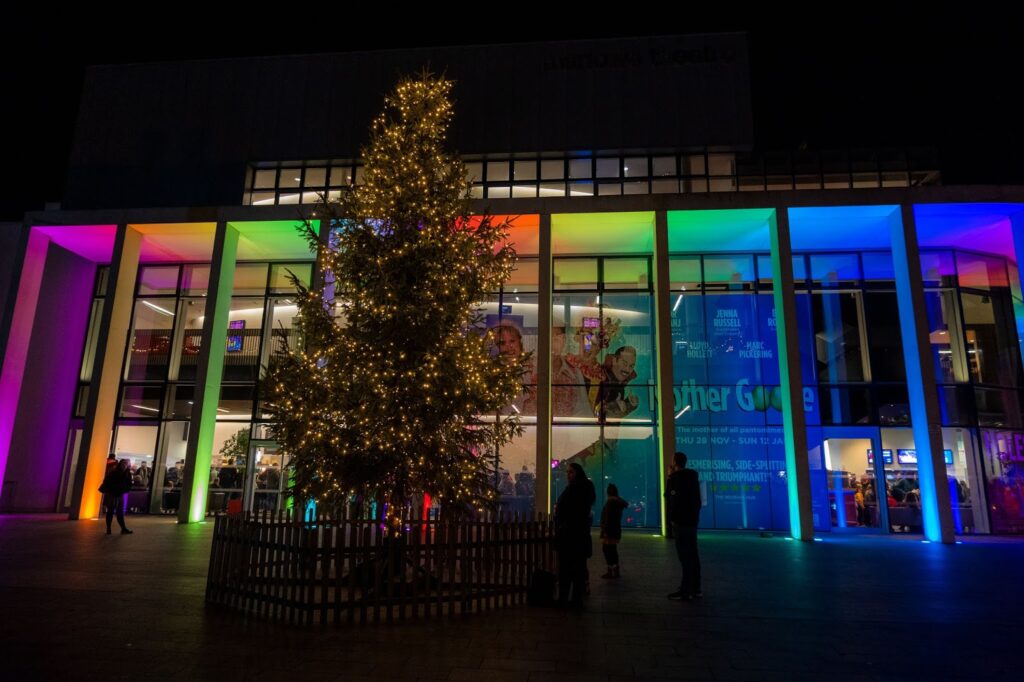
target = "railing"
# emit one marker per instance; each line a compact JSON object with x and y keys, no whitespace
{"x":346,"y":569}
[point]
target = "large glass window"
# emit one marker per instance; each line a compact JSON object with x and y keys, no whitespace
{"x":839,"y":337}
{"x":1003,"y":458}
{"x":510,"y":324}
{"x":602,"y":376}
{"x":188,"y":339}
{"x":161,"y":368}
{"x":992,"y":354}
{"x":245,"y":331}
{"x":726,"y":385}
{"x":137,"y":444}
{"x":946,"y":335}
{"x":150,"y":348}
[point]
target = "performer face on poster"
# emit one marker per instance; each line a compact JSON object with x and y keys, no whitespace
{"x":509,"y":342}
{"x":623,"y":363}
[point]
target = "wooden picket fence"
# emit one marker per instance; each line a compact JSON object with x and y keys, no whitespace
{"x":345,"y":569}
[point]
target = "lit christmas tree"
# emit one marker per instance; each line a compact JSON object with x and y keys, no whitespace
{"x":395,"y":391}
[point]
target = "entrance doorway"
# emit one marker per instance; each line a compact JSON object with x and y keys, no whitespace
{"x":854,"y":462}
{"x":265,"y":479}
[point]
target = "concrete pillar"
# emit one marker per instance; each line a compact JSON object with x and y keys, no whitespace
{"x":794,"y":420}
{"x":106,"y":374}
{"x":209,"y":371}
{"x":542,"y":489}
{"x":921,"y":387}
{"x":663,"y":355}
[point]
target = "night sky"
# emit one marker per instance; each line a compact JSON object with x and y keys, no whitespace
{"x":877,"y":78}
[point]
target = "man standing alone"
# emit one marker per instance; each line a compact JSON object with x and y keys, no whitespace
{"x":682,"y":494}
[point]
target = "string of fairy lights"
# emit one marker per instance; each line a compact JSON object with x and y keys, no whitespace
{"x":384,"y":401}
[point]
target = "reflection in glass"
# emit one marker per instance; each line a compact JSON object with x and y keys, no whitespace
{"x":729,"y":273}
{"x":180,"y":401}
{"x":626,"y":273}
{"x":992,"y":353}
{"x":137,"y":444}
{"x":938,"y":269}
{"x":188,"y":339}
{"x":154,"y":281}
{"x":575,"y":273}
{"x":171,"y":465}
{"x":684,"y":273}
{"x":884,"y":337}
{"x":250,"y":279}
{"x":845,"y":405}
{"x":620,"y":455}
{"x":91,"y":340}
{"x":838,"y":337}
{"x":981,"y":272}
{"x":195,"y":280}
{"x":242,"y":348}
{"x":1002,"y":453}
{"x":149,"y":352}
{"x":835,"y":269}
{"x":945,"y":335}
{"x":524,"y":277}
{"x":283,"y":328}
{"x":281,"y":273}
{"x":141,"y":401}
{"x":236,"y":402}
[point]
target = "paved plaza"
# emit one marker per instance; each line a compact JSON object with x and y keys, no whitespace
{"x":78,"y":604}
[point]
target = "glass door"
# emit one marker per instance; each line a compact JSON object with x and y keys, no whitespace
{"x":853,"y":464}
{"x":266,"y":480}
{"x":136,"y":442}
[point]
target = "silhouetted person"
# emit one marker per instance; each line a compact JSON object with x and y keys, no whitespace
{"x":572,"y":535}
{"x":116,"y":485}
{"x":611,"y":530}
{"x":682,"y":493}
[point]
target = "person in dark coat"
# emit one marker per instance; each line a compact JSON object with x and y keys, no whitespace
{"x":611,"y":530}
{"x":682,"y":495}
{"x":572,"y":535}
{"x":116,"y":485}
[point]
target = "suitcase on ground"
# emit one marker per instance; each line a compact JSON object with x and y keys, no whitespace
{"x":541,"y":591}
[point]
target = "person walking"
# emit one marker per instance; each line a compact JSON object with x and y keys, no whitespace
{"x":611,"y":530}
{"x":115,"y":486}
{"x":572,"y":535}
{"x":682,"y":493}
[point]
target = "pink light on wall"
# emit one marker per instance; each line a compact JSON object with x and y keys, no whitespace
{"x":13,"y":371}
{"x":94,"y":242}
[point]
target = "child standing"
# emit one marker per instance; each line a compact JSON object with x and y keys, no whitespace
{"x":611,"y":530}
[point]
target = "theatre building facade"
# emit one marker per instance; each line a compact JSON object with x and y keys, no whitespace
{"x":834,"y":339}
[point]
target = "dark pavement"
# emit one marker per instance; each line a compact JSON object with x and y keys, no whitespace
{"x":77,"y":604}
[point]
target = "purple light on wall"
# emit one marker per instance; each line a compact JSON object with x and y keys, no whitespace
{"x":94,"y":243}
{"x":976,"y":227}
{"x":13,"y":371}
{"x":45,"y":403}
